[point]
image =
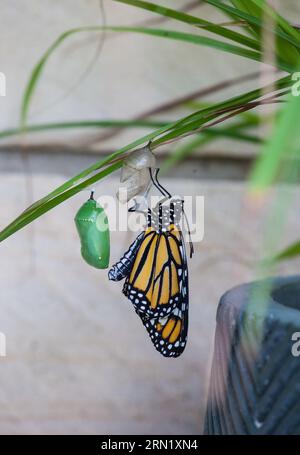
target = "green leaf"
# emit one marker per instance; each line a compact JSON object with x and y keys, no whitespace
{"x":42,"y":127}
{"x":82,"y":124}
{"x":290,"y":252}
{"x":288,"y":56}
{"x":247,"y":6}
{"x":40,"y":209}
{"x":253,"y":20}
{"x":195,"y":21}
{"x":191,"y":38}
{"x":284,"y":49}
{"x":37,"y":70}
{"x":234,"y":132}
{"x":280,"y":20}
{"x":194,"y":121}
{"x":284,"y":140}
{"x":180,"y":36}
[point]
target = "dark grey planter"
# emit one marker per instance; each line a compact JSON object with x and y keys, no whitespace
{"x":255,"y":377}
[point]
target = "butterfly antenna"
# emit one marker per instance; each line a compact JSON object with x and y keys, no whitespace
{"x":156,"y":183}
{"x":192,"y":250}
{"x":160,"y":185}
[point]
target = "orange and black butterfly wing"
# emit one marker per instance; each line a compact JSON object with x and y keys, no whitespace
{"x":157,"y":286}
{"x":138,"y":284}
{"x":153,"y":285}
{"x":169,"y":333}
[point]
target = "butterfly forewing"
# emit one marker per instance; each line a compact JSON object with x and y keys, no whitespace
{"x":153,"y":285}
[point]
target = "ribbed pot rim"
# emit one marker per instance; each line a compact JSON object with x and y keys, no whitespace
{"x":281,"y":298}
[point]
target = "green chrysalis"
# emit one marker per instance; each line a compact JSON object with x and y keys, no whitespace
{"x":92,"y":226}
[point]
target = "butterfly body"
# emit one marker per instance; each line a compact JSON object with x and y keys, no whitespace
{"x":122,"y":268}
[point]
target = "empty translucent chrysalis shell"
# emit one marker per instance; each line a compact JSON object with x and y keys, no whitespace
{"x":135,"y":177}
{"x":92,"y":226}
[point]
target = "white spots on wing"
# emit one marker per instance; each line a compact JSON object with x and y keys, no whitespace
{"x":163,"y":321}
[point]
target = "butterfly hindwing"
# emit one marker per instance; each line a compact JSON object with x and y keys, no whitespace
{"x":169,"y":334}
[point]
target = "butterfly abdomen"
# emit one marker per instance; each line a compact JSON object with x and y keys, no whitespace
{"x":122,"y":268}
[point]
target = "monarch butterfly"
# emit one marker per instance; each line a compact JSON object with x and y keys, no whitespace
{"x":155,"y":268}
